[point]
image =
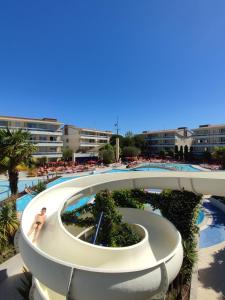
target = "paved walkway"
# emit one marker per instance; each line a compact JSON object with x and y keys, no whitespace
{"x":211,"y":263}
{"x":211,"y":273}
{"x":10,"y":275}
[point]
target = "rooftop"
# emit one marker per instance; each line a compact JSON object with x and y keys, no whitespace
{"x":91,"y":129}
{"x":42,"y":120}
{"x":162,"y":131}
{"x":209,"y":126}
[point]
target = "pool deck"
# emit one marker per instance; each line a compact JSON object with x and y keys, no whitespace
{"x":211,"y":267}
{"x":10,"y":278}
{"x":211,"y":255}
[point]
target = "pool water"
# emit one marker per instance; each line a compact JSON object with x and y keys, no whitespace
{"x":201,"y":216}
{"x":22,"y":202}
{"x":154,"y":169}
{"x":5,"y":191}
{"x":167,"y":166}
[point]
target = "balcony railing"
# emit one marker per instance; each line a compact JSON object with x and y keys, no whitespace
{"x":50,"y":142}
{"x":85,"y":136}
{"x":46,"y":153}
{"x":32,"y":129}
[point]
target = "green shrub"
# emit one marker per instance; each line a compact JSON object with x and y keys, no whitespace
{"x":40,"y":187}
{"x":130,"y":151}
{"x":112,"y":231}
{"x":181,"y":208}
{"x":129,"y":198}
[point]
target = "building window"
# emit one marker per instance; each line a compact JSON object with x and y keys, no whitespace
{"x":66,"y":130}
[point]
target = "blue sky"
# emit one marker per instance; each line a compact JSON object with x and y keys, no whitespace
{"x":155,"y":64}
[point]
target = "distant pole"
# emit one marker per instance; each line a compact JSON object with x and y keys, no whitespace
{"x":117,"y":140}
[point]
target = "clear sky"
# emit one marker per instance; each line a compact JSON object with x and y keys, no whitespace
{"x":156,"y":64}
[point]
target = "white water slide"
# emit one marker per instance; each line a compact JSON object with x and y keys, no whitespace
{"x":66,"y":267}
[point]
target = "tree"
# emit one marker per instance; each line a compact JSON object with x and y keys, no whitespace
{"x":8,"y":222}
{"x":219,"y":155}
{"x":113,"y":140}
{"x":141,"y":143}
{"x":207,"y":156}
{"x":15,"y":149}
{"x":162,"y":153}
{"x":128,"y":140}
{"x":129,"y":134}
{"x":170,"y":153}
{"x":67,"y":154}
{"x":176,"y":152}
{"x":130,"y":151}
{"x":185,"y":152}
{"x":190,"y":154}
{"x":181,"y":153}
{"x":107,"y":154}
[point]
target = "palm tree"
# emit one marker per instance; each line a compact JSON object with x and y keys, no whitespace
{"x":15,"y":149}
{"x":8,"y":221}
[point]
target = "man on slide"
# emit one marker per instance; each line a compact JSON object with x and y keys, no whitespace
{"x":39,"y":221}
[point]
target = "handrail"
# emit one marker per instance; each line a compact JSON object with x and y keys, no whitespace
{"x":97,"y":230}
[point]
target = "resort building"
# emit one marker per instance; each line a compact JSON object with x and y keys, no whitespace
{"x":46,"y":134}
{"x":166,"y":140}
{"x":85,"y":142}
{"x":207,"y":137}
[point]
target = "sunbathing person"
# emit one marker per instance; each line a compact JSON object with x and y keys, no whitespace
{"x":29,"y":191}
{"x":39,"y":221}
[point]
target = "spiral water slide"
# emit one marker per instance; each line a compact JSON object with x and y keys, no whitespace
{"x":66,"y":267}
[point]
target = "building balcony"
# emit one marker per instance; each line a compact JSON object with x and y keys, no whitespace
{"x":160,"y":138}
{"x":43,"y":132}
{"x":161,"y":145}
{"x":48,"y":154}
{"x":208,"y":144}
{"x":90,"y":144}
{"x":208,"y":135}
{"x":48,"y":143}
{"x":94,"y":137}
{"x":35,"y":130}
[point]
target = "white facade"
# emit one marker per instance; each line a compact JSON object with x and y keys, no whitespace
{"x":84,"y":140}
{"x":165,"y":140}
{"x":207,"y":137}
{"x":46,"y":134}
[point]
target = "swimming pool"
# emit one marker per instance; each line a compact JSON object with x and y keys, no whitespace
{"x":201,"y":216}
{"x":22,"y":202}
{"x":167,"y":166}
{"x":4,"y":187}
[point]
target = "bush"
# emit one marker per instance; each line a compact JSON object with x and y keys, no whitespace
{"x":162,"y":153}
{"x":40,"y":187}
{"x":181,"y":208}
{"x":129,"y":198}
{"x":6,"y":251}
{"x":130,"y":151}
{"x":107,"y":156}
{"x":112,"y":231}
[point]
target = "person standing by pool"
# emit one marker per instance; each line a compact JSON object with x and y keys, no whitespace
{"x":39,"y":221}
